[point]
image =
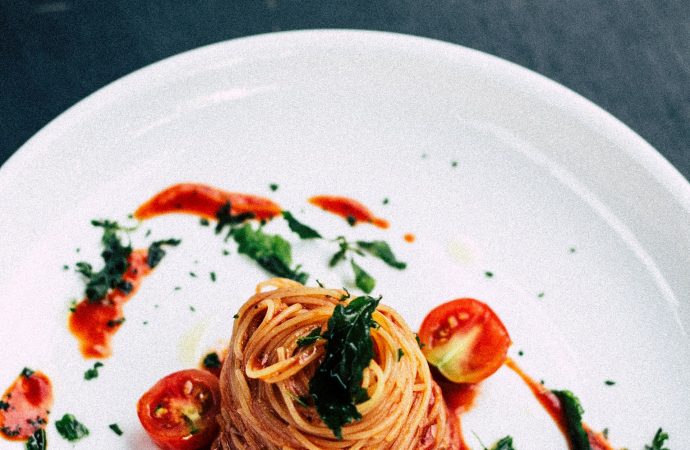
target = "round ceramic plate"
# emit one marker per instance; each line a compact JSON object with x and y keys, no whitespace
{"x":583,"y":226}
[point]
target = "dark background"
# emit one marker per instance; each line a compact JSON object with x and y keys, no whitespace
{"x":631,"y":57}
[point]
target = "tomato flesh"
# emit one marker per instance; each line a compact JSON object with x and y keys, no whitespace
{"x":465,"y":340}
{"x":179,"y":411}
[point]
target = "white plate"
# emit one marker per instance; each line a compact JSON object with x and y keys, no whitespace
{"x":368,"y":115}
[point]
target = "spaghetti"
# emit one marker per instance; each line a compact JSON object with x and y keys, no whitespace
{"x":265,"y":379}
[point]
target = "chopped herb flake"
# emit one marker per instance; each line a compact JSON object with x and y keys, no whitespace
{"x":26,"y":372}
{"x":313,"y":336}
{"x":273,"y":187}
{"x":572,"y":412}
{"x":363,"y":280}
{"x":38,"y":440}
{"x":609,"y":382}
{"x":271,"y":252}
{"x":114,"y":255}
{"x":302,"y":230}
{"x":382,"y":250}
{"x":540,"y":295}
{"x":455,"y":164}
{"x":351,"y":220}
{"x":385,"y":201}
{"x":212,"y":361}
{"x":156,"y":252}
{"x":116,"y":429}
{"x":70,"y":428}
{"x":488,"y":274}
{"x":401,"y":353}
{"x":213,"y":276}
{"x":227,"y":219}
{"x":204,"y":222}
{"x":504,"y":444}
{"x":336,"y":387}
{"x":236,"y":316}
{"x":192,"y":274}
{"x":658,"y":441}
{"x":4,"y":406}
{"x":115,"y":322}
{"x":92,"y":373}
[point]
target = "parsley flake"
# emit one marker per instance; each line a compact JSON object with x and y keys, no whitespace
{"x":401,"y":353}
{"x":38,"y":440}
{"x":70,"y":428}
{"x":115,"y":256}
{"x":156,"y":252}
{"x":271,"y":252}
{"x":505,"y":443}
{"x":212,"y":361}
{"x":92,"y":373}
{"x":302,"y":230}
{"x":658,"y":441}
{"x":363,"y":280}
{"x":382,"y":250}
{"x":336,"y":387}
{"x":572,"y":412}
{"x":313,"y":336}
{"x":116,"y":429}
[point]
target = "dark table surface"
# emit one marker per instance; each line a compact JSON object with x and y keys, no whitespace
{"x":631,"y":57}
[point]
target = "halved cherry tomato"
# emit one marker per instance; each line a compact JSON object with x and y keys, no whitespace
{"x":179,"y":411}
{"x":465,"y":340}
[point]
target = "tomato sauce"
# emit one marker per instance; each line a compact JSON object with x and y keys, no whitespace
{"x":552,"y":405}
{"x":205,"y":201}
{"x":25,"y":405}
{"x":350,"y":209}
{"x":409,"y":237}
{"x":94,"y":323}
{"x":459,"y":398}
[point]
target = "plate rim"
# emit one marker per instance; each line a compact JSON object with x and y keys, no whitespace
{"x":651,"y":160}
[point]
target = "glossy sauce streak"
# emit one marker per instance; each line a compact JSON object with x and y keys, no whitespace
{"x":95,"y":323}
{"x":552,"y":405}
{"x":25,"y":406}
{"x":348,"y":208}
{"x":204,"y":201}
{"x":459,"y":398}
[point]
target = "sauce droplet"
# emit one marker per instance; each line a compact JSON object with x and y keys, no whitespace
{"x":94,"y":323}
{"x":205,"y":201}
{"x":25,"y":405}
{"x":352,"y":210}
{"x":409,"y":237}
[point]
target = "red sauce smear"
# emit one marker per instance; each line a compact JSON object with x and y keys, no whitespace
{"x":204,"y":201}
{"x":552,"y":405}
{"x":459,"y":398}
{"x":409,"y":237}
{"x":349,"y":209}
{"x":95,"y":323}
{"x":25,"y":406}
